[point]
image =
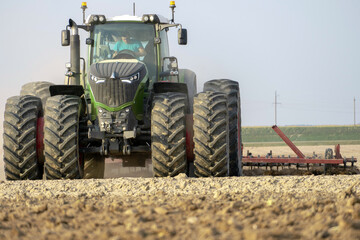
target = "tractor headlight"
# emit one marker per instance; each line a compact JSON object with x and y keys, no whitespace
{"x":97,"y":18}
{"x":153,"y":18}
{"x":131,"y":78}
{"x":96,"y":79}
{"x":145,"y":18}
{"x":134,"y":77}
{"x":102,"y":19}
{"x":103,"y":113}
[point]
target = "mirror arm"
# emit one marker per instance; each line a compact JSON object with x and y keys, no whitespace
{"x":163,"y":26}
{"x":87,"y":28}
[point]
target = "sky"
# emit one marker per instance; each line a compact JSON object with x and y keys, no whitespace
{"x":307,"y":51}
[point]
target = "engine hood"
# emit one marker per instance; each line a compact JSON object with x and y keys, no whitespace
{"x":117,"y":69}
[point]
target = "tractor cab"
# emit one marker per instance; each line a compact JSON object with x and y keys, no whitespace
{"x":117,"y":41}
{"x":127,"y":55}
{"x":137,"y":38}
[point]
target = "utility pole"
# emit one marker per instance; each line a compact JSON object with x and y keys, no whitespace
{"x":354,"y":113}
{"x":276,"y":103}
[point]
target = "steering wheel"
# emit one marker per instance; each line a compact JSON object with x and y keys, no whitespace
{"x":125,"y":54}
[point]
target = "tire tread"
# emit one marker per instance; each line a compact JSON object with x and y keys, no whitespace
{"x":168,"y":145}
{"x":20,"y":130}
{"x":210,"y":135}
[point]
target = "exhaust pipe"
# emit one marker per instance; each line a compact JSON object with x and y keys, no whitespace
{"x":74,"y":53}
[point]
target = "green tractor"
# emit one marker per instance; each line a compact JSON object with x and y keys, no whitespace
{"x":122,"y":101}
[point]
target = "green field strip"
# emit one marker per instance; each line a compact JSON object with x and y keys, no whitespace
{"x":309,"y":135}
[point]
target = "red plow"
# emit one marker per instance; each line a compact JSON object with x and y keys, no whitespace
{"x":331,"y":159}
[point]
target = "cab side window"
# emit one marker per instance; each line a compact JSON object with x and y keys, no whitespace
{"x":164,"y":51}
{"x":164,"y":46}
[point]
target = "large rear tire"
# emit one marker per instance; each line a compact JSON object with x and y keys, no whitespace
{"x":168,"y":132}
{"x":61,"y":138}
{"x":231,"y":90}
{"x":20,"y":138}
{"x":210,"y":135}
{"x":38,"y":89}
{"x":94,"y":166}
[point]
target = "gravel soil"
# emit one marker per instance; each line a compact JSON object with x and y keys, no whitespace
{"x":251,"y":207}
{"x":262,"y":207}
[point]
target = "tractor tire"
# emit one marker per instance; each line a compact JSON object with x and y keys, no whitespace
{"x":94,"y":166}
{"x":168,"y":133}
{"x":20,"y":138}
{"x":61,"y":138}
{"x":189,"y":78}
{"x":37,"y":89}
{"x":211,"y":135}
{"x":231,"y":90}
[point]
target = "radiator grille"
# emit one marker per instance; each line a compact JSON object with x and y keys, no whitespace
{"x":114,"y":92}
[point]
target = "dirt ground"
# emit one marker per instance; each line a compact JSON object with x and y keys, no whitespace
{"x":250,"y":207}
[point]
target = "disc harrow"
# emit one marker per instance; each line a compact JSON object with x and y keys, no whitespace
{"x":331,"y":158}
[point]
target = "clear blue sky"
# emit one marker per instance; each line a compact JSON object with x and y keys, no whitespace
{"x":308,"y":51}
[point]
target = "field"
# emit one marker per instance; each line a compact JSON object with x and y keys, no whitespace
{"x":262,"y":207}
{"x":265,"y":206}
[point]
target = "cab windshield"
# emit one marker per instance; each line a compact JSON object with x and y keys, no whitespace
{"x":108,"y":40}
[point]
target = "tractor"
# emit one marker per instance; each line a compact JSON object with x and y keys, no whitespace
{"x":123,"y":102}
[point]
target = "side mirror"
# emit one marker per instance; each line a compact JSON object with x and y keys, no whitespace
{"x":170,"y":71}
{"x":65,"y":38}
{"x":182,"y":36}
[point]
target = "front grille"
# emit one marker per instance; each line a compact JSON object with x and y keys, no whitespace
{"x":115,"y":92}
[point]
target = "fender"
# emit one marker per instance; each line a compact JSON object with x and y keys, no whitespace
{"x":76,"y":90}
{"x":163,"y":87}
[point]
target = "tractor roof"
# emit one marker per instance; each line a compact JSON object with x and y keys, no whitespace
{"x":130,"y":18}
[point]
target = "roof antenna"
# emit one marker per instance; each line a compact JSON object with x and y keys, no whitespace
{"x":134,"y":8}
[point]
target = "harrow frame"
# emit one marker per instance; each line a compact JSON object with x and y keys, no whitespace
{"x":270,"y":160}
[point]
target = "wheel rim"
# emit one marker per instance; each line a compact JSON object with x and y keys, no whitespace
{"x":40,"y":139}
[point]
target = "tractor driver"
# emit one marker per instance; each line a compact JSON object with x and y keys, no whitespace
{"x":127,"y":43}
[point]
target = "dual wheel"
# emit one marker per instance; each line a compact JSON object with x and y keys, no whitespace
{"x":63,"y":120}
{"x":216,"y":126}
{"x":30,"y":147}
{"x":21,"y":125}
{"x":23,"y":132}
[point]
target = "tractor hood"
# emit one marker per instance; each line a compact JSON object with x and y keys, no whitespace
{"x":122,"y":69}
{"x":115,"y":82}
